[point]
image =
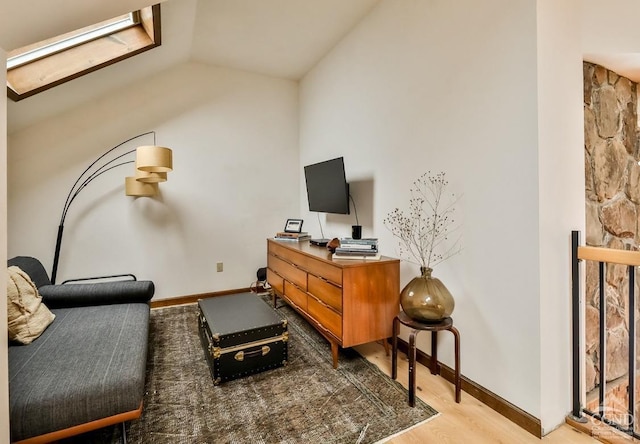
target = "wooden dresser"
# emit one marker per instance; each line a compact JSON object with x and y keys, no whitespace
{"x":350,"y":302}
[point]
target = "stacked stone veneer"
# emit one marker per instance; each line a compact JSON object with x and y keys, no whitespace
{"x":612,"y":178}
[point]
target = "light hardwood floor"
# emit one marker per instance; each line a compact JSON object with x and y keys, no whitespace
{"x":468,"y":422}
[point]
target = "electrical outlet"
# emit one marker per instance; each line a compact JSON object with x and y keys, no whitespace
{"x":219,"y":267}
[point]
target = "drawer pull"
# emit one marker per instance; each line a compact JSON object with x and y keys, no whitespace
{"x":296,"y":306}
{"x":322,"y":327}
{"x":327,"y":281}
{"x":260,"y":352}
{"x":321,"y":302}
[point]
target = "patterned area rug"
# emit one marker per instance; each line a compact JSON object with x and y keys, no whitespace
{"x":305,"y":402}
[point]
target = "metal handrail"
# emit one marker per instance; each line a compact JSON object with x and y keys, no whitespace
{"x":602,"y":256}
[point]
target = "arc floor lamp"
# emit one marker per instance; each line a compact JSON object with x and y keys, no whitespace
{"x":152,"y":164}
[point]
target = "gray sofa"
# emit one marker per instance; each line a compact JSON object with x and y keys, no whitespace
{"x":87,"y":370}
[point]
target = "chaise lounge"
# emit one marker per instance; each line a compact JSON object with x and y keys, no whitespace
{"x":87,"y":369}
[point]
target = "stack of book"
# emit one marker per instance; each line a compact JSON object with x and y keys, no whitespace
{"x":297,"y":237}
{"x":366,"y":248}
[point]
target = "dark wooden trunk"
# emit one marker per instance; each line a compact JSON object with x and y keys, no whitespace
{"x":241,"y":335}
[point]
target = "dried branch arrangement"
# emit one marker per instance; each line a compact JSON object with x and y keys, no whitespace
{"x":424,"y":231}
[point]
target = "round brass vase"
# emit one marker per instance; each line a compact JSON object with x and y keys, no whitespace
{"x":426,"y":299}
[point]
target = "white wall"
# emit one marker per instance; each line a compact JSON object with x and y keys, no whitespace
{"x":610,"y":27}
{"x":561,"y":189}
{"x":235,"y":181}
{"x":4,"y":366}
{"x":449,"y":86}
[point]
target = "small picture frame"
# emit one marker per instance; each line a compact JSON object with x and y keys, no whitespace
{"x":293,"y":226}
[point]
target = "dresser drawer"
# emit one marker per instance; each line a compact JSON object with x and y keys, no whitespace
{"x":297,"y":296}
{"x":287,"y":254}
{"x":307,"y":262}
{"x":323,"y":269}
{"x":328,"y":318}
{"x":325,"y":291}
{"x":288,"y":271}
{"x":275,"y":281}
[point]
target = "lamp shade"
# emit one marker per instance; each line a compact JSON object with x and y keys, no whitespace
{"x":147,"y":177}
{"x":154,"y":159}
{"x":140,"y":189}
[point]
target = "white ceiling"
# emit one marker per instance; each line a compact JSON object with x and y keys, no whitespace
{"x":28,"y":21}
{"x":626,"y":65}
{"x":282,"y":38}
{"x":611,"y":35}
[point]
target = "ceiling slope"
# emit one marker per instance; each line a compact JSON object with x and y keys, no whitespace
{"x":177,"y":30}
{"x":281,"y":38}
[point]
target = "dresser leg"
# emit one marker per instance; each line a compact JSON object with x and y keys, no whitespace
{"x":334,"y":353}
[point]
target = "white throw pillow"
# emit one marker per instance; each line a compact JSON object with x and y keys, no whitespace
{"x":28,"y":317}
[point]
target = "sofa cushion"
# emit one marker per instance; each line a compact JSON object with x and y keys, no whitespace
{"x":97,"y":293}
{"x":89,"y":364}
{"x":28,"y":317}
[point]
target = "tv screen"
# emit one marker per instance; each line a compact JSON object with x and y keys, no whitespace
{"x":327,"y":187}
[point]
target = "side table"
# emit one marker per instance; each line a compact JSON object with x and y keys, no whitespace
{"x":417,"y":327}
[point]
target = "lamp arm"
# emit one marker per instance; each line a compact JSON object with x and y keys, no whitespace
{"x":71,"y":191}
{"x":70,"y":199}
{"x":75,"y":190}
{"x":101,"y":170}
{"x":89,"y":179}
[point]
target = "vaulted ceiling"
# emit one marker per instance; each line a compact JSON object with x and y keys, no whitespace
{"x":282,"y":38}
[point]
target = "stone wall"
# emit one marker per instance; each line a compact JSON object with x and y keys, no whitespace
{"x":612,"y":177}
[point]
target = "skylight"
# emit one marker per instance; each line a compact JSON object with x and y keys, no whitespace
{"x":49,"y":47}
{"x":43,"y":65}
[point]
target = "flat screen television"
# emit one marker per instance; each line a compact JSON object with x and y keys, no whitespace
{"x":327,"y":187}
